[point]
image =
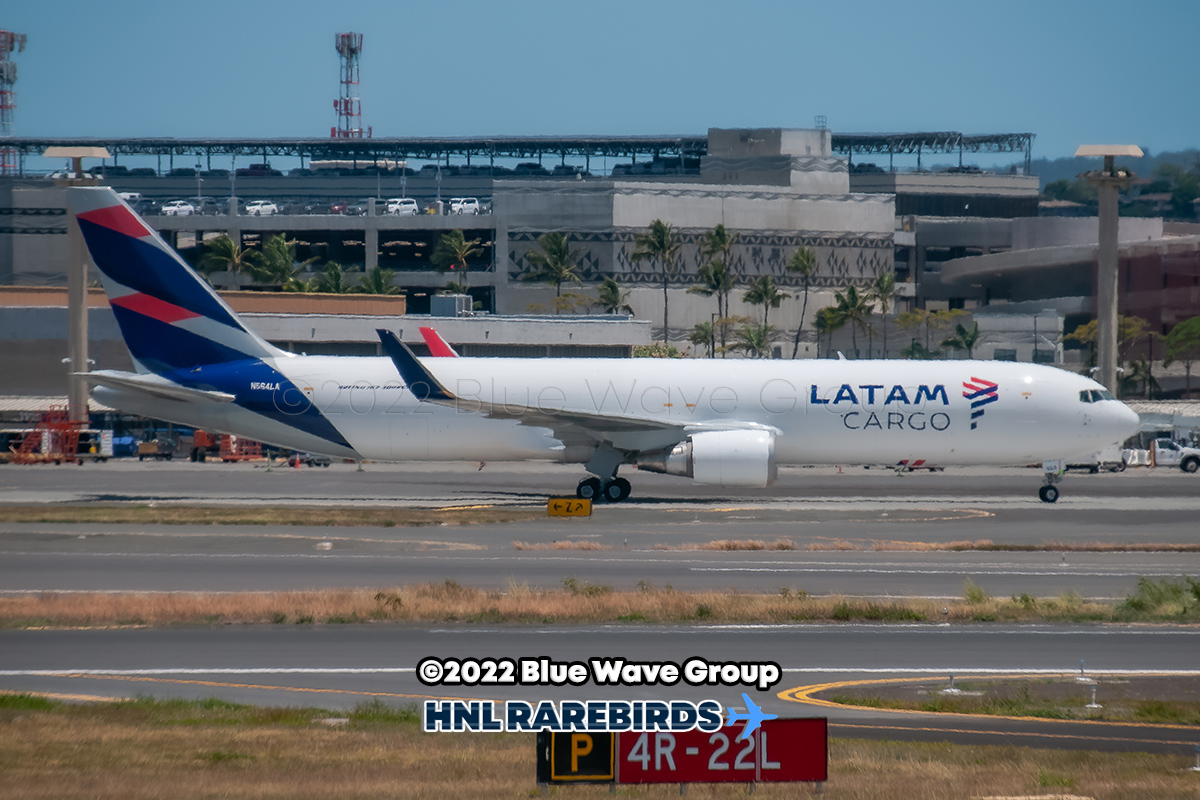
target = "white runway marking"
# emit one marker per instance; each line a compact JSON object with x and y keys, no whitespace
{"x":956,"y":669}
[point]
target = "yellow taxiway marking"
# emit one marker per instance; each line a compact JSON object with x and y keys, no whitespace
{"x":804,"y":694}
{"x":70,"y":698}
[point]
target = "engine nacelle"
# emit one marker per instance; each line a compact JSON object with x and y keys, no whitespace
{"x":720,"y":458}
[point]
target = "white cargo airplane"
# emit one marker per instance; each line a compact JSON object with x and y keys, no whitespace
{"x":720,"y":422}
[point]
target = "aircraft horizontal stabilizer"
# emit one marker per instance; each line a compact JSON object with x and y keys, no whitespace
{"x":154,"y":386}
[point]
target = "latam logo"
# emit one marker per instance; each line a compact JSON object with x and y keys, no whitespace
{"x":980,"y":393}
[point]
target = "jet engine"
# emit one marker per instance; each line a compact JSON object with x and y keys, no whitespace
{"x":721,"y":458}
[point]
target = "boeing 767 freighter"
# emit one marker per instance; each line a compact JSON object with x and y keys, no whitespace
{"x":726,"y":422}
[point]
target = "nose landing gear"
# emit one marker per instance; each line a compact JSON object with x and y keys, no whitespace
{"x":1052,"y":471}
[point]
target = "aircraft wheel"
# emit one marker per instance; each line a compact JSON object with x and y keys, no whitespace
{"x":1048,"y":493}
{"x":588,"y":489}
{"x":617,"y":490}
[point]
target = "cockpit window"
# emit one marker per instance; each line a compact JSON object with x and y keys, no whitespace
{"x":1097,"y":396}
{"x":1085,"y":396}
{"x":1105,"y":395}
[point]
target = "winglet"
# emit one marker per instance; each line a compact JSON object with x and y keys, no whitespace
{"x":420,"y":382}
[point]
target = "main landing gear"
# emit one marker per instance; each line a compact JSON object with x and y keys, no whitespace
{"x":612,"y":491}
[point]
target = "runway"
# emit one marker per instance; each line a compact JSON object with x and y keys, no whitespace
{"x":844,"y":527}
{"x":339,"y":665}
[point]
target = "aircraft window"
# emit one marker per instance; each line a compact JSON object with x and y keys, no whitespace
{"x":1085,"y":396}
{"x":1107,"y":395}
{"x":1097,"y":396}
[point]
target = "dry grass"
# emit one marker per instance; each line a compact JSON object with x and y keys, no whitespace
{"x":133,"y":752}
{"x":574,"y":545}
{"x":151,"y":514}
{"x":987,"y":545}
{"x":731,"y":545}
{"x":576,"y":603}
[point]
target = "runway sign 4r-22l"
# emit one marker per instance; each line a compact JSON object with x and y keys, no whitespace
{"x":780,"y":750}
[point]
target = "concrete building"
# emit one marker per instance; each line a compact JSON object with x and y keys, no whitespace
{"x":776,"y":189}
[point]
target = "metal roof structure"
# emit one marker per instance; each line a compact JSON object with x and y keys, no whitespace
{"x":367,"y":151}
{"x":441,"y":149}
{"x":933,"y":142}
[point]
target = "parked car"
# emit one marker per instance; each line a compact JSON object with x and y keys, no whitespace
{"x":402,"y":207}
{"x":177,"y":208}
{"x":464,"y":205}
{"x":261,"y":208}
{"x":358,"y":209}
{"x":133,"y":198}
{"x":208,"y":205}
{"x":257,"y":171}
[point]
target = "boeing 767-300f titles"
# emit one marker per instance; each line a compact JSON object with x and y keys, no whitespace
{"x":726,"y":422}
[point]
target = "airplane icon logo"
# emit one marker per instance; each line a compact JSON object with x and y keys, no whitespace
{"x":754,"y":717}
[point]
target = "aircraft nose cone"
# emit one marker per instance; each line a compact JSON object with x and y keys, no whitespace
{"x":1125,"y":422}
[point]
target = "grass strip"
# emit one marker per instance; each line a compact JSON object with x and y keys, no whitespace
{"x":145,"y":748}
{"x":153,"y":514}
{"x":580,"y":602}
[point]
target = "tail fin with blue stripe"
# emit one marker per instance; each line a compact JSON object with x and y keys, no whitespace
{"x":170,"y":317}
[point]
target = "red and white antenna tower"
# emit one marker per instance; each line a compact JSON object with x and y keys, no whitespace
{"x":348,"y":105}
{"x":9,"y":43}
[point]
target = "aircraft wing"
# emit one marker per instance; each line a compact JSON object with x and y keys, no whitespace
{"x":154,"y":386}
{"x":568,"y":426}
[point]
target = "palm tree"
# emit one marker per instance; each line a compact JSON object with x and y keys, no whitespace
{"x":828,"y":321}
{"x":763,"y":292}
{"x":277,"y":264}
{"x":454,"y":287}
{"x":332,"y":279}
{"x":659,"y":244}
{"x":224,"y":253}
{"x":883,"y":292}
{"x":963,"y":339}
{"x":556,"y":261}
{"x":716,"y":279}
{"x":854,"y":309}
{"x":803,"y":263}
{"x":611,"y":298}
{"x":452,"y":252}
{"x":702,"y":336}
{"x":377,"y":281}
{"x":941,"y":319}
{"x":755,"y":339}
{"x":719,"y":240}
{"x":1141,"y":372}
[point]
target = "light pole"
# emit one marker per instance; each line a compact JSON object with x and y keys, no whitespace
{"x":1107,"y":181}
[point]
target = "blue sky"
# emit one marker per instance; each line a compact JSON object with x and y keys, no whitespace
{"x":1072,"y":72}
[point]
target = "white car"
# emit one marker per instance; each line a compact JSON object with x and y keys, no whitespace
{"x":402,"y":207}
{"x":261,"y":208}
{"x":464,"y":205}
{"x":178,"y":208}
